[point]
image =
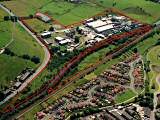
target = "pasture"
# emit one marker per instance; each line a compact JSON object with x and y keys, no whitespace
{"x":68,"y":13}
{"x":23,"y":43}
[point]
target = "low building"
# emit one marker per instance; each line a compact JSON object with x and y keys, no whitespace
{"x":17,"y":85}
{"x":104,"y":28}
{"x":43,"y":17}
{"x":46,"y":35}
{"x":65,"y":41}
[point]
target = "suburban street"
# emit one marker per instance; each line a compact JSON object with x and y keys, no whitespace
{"x":44,"y":64}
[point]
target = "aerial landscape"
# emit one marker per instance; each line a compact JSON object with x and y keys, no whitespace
{"x":79,"y":59}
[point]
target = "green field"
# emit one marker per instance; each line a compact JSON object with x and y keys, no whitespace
{"x":5,"y":27}
{"x":122,"y":97}
{"x":23,"y":44}
{"x":142,"y":10}
{"x":37,"y":25}
{"x":68,"y":13}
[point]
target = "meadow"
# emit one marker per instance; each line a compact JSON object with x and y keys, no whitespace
{"x":23,"y":43}
{"x":68,"y":13}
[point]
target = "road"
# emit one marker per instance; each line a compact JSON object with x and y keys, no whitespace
{"x":44,"y":64}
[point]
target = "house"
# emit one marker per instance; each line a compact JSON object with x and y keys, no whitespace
{"x":43,"y":17}
{"x":17,"y":85}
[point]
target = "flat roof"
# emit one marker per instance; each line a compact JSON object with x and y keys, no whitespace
{"x":65,"y":41}
{"x":96,"y":23}
{"x":46,"y":33}
{"x":59,"y":38}
{"x":103,"y":28}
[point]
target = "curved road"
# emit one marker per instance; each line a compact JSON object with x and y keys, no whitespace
{"x":44,"y":64}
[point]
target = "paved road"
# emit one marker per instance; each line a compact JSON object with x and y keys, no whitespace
{"x":46,"y":59}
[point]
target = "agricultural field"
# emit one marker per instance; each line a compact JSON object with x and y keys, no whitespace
{"x":38,"y":25}
{"x":22,"y":44}
{"x":5,"y":38}
{"x":68,"y":13}
{"x":143,"y":10}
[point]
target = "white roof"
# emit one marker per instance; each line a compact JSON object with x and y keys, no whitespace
{"x":17,"y":84}
{"x":103,"y":28}
{"x":59,"y":38}
{"x":96,"y":23}
{"x":65,"y":41}
{"x":46,"y":33}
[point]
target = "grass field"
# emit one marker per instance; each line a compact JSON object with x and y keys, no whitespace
{"x":23,"y":44}
{"x":68,"y":13}
{"x":143,"y":10}
{"x":37,"y":25}
{"x":4,"y":38}
{"x":122,"y":97}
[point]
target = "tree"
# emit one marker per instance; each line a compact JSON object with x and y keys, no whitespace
{"x":51,"y":28}
{"x":76,"y":39}
{"x":25,"y":56}
{"x":35,"y":59}
{"x":54,"y":49}
{"x":6,"y":18}
{"x":31,"y":16}
{"x":135,"y":50}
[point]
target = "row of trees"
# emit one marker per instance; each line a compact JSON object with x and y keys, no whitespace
{"x":34,"y":59}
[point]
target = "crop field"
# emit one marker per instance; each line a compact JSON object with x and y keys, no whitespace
{"x":23,"y":43}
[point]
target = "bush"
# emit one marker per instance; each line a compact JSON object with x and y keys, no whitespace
{"x":35,"y":59}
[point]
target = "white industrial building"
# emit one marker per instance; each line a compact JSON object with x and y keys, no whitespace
{"x":104,"y":28}
{"x":62,"y":41}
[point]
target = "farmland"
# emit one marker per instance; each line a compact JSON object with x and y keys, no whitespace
{"x":68,"y":13}
{"x":11,"y":66}
{"x":5,"y":38}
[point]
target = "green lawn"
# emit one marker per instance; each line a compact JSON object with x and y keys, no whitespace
{"x":23,"y":44}
{"x":122,"y":97}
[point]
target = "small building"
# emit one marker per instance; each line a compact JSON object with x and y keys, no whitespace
{"x":46,"y":34}
{"x":58,"y":39}
{"x":17,"y":85}
{"x":24,"y":76}
{"x":65,"y":41}
{"x":43,"y":17}
{"x":7,"y":92}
